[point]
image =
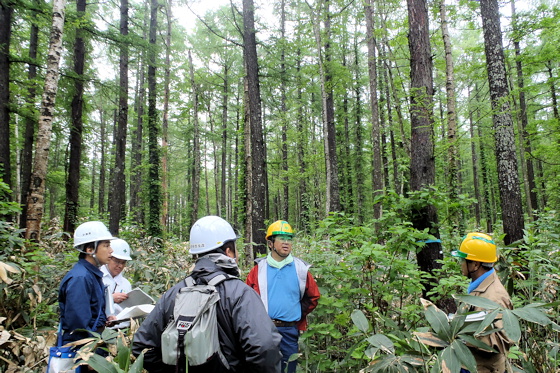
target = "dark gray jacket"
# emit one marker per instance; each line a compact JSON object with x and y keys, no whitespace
{"x":248,"y":338}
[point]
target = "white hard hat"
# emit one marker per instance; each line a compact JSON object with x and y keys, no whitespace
{"x":91,"y":231}
{"x":209,"y":233}
{"x":121,"y":249}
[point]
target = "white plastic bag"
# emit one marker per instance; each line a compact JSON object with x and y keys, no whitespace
{"x":61,"y":360}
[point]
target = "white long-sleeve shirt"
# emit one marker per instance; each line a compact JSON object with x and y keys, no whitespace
{"x":117,"y":284}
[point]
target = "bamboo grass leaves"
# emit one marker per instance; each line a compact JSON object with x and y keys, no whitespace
{"x":445,"y":346}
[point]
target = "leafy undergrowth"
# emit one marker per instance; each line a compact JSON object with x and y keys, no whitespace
{"x":369,"y":318}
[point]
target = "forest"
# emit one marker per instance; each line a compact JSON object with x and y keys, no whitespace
{"x":382,"y":130}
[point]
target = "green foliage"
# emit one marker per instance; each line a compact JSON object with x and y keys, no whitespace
{"x":119,"y":360}
{"x":449,"y":339}
{"x":530,"y":325}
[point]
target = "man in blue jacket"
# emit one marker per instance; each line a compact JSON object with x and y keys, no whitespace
{"x":82,"y":292}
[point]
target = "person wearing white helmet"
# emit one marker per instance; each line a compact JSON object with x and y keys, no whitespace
{"x":117,"y":285}
{"x":81,"y":297}
{"x":248,"y":339}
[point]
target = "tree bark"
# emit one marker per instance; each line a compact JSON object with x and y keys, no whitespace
{"x":223,"y":196}
{"x":165,"y":122}
{"x":103,"y":161}
{"x":77,"y":127}
{"x":303,"y":215}
{"x":36,"y":198}
{"x":452,"y":153}
{"x":422,"y":165}
{"x":329,"y":130}
{"x":358,"y":169}
{"x":154,"y":161}
{"x":284,"y":113}
{"x":474,"y":158}
{"x":30,"y":124}
{"x":553,"y":96}
{"x":255,"y":153}
{"x":506,"y":158}
{"x":488,"y":210}
{"x":6,"y":11}
{"x":374,"y":106}
{"x":136,"y":208}
{"x":195,"y":188}
{"x":118,"y":202}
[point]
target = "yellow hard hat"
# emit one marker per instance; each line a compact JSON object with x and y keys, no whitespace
{"x":478,"y":247}
{"x":279,"y":227}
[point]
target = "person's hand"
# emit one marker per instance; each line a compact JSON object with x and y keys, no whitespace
{"x":119,"y":297}
{"x":111,"y":320}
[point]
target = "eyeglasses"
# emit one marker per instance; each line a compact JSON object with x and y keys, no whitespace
{"x":284,"y":238}
{"x":118,"y":261}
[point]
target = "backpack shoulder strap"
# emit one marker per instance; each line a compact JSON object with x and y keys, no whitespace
{"x":221,"y":278}
{"x":189,"y":281}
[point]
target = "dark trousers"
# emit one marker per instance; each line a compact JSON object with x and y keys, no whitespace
{"x":288,"y":346}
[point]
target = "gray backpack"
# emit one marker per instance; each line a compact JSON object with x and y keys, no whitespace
{"x":192,"y":335}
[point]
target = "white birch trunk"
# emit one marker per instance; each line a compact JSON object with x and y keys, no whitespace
{"x":36,"y":198}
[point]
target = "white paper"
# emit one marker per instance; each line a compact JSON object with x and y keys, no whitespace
{"x":135,"y":312}
{"x":136,"y":297}
{"x":479,"y":316}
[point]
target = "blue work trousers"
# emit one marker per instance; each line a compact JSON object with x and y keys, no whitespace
{"x":288,"y":346}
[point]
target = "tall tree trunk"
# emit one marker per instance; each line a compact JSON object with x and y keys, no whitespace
{"x":529,"y":171}
{"x":93,"y":185}
{"x":112,"y":155}
{"x":30,"y":123}
{"x":154,"y":186}
{"x":102,"y":161}
{"x":77,"y":127}
{"x":303,"y":219}
{"x":452,"y":152}
{"x":347,"y":200}
{"x":422,"y":165}
{"x":553,"y":96}
{"x":488,"y":210}
{"x":388,"y":104}
{"x":223,"y":208}
{"x":284,"y":113}
{"x":6,"y":11}
{"x":165,"y":123}
{"x":374,"y":106}
{"x":136,"y":207}
{"x":525,"y":140}
{"x":358,"y":169}
{"x":118,"y":202}
{"x":36,"y":198}
{"x":329,"y":129}
{"x":195,"y":188}
{"x":255,"y":153}
{"x":383,"y":123}
{"x":508,"y":179}
{"x":474,"y":158}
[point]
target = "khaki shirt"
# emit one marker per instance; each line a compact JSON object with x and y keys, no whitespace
{"x":488,"y":362}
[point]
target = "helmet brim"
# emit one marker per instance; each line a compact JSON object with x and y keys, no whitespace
{"x":459,"y":254}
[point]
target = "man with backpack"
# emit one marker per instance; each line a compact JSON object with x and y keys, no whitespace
{"x":212,"y":320}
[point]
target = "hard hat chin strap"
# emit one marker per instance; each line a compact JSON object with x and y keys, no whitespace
{"x":471,"y":272}
{"x":274,"y":249}
{"x":97,"y":262}
{"x":280,"y":255}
